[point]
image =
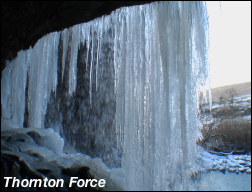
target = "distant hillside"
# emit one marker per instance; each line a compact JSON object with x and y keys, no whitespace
{"x":227,"y":91}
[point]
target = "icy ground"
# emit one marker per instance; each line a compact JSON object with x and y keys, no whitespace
{"x":230,"y":163}
{"x":217,"y":181}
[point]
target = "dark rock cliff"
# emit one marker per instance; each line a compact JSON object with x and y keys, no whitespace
{"x":24,"y":22}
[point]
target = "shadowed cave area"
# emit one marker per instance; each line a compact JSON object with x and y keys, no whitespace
{"x":24,"y":22}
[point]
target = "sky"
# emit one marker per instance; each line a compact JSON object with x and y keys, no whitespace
{"x":230,"y":42}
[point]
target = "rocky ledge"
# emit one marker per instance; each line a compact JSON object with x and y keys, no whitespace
{"x":29,"y":153}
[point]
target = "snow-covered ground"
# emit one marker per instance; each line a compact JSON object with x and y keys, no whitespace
{"x":241,"y":102}
{"x":228,"y":163}
{"x":223,"y":173}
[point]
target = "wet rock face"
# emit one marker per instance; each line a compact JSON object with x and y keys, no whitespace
{"x":23,"y":23}
{"x":86,"y":119}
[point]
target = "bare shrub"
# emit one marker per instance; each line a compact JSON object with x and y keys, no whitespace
{"x":229,"y":136}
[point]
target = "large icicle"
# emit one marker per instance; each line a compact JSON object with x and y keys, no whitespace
{"x":13,"y":84}
{"x":65,"y":41}
{"x":156,"y":91}
{"x":75,"y":43}
{"x":42,"y":77}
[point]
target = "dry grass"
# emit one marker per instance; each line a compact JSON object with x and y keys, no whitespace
{"x":228,"y":136}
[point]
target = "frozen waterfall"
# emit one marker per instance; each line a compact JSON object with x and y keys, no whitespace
{"x":122,"y":87}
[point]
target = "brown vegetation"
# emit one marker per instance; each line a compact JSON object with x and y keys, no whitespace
{"x":229,"y":136}
{"x":228,"y":132}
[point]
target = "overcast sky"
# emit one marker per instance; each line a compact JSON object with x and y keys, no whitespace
{"x":230,"y":42}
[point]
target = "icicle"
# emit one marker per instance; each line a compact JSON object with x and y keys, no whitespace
{"x":91,"y":66}
{"x":75,"y":43}
{"x":65,"y":41}
{"x":99,"y":39}
{"x":42,"y":77}
{"x":13,"y":84}
{"x":88,"y":45}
